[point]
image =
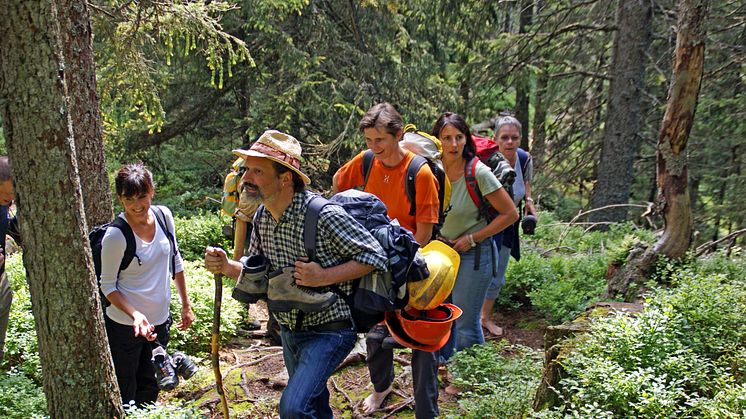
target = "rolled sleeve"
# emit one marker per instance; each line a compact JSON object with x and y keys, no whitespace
{"x":113,"y":246}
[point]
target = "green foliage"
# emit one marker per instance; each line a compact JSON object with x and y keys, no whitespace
{"x":201,"y":287}
{"x":137,"y":33}
{"x":682,"y":357}
{"x":199,"y":231}
{"x":579,"y":281}
{"x":20,"y":397}
{"x":21,"y":347}
{"x":501,"y":380}
{"x":173,"y":410}
{"x":562,"y":282}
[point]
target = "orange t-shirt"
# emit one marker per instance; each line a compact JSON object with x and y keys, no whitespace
{"x":388,"y":184}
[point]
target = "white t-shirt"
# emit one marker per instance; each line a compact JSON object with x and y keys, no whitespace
{"x":145,"y":285}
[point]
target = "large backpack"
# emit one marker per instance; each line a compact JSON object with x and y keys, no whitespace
{"x":377,"y":292}
{"x":96,"y":237}
{"x":487,"y":153}
{"x":428,"y":150}
{"x":231,"y":193}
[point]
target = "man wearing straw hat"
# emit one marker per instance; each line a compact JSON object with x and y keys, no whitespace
{"x":316,"y":339}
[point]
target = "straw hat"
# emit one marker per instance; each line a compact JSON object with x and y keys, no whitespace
{"x":277,"y":146}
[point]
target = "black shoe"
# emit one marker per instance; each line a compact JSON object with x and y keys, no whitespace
{"x":377,"y":333}
{"x":165,"y":375}
{"x":183,"y":365}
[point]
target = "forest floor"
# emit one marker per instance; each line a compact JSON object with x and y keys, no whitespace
{"x":253,"y":374}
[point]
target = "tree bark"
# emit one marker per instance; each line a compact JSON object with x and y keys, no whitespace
{"x":522,"y":85}
{"x":623,"y":118}
{"x":671,"y":159}
{"x":78,"y":374}
{"x":80,"y":79}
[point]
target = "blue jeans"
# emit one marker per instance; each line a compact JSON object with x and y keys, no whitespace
{"x":311,"y":358}
{"x":468,"y":294}
{"x":498,"y":281}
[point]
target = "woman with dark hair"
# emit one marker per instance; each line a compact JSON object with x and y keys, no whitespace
{"x":138,"y":319}
{"x":466,"y":228}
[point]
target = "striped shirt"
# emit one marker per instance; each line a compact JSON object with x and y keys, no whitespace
{"x":339,"y":239}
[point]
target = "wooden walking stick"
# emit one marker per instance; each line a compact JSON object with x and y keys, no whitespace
{"x":215,"y":355}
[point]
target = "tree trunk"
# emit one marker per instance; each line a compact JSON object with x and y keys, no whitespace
{"x":522,"y":85}
{"x":80,"y":79}
{"x":78,"y":374}
{"x":623,"y":119}
{"x":538,"y":146}
{"x":673,"y":194}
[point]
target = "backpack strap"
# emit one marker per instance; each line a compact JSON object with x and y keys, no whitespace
{"x":129,"y":238}
{"x":367,"y":165}
{"x":410,"y":183}
{"x":160,"y":217}
{"x":524,"y":157}
{"x":472,"y":186}
{"x":310,"y":225}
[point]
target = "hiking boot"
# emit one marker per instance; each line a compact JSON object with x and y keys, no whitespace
{"x":183,"y":365}
{"x":390,"y":343}
{"x":284,"y":294}
{"x":252,"y":283}
{"x":165,"y":375}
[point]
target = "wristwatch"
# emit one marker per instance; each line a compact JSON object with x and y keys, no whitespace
{"x":472,"y":243}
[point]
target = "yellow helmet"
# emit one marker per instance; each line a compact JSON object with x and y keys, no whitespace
{"x":442,"y":262}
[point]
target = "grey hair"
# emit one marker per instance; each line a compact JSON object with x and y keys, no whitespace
{"x":507,"y":120}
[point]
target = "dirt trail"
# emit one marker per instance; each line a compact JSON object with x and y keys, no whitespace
{"x":252,"y":367}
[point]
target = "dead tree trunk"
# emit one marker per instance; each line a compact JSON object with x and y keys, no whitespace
{"x":673,"y":192}
{"x":78,"y":374}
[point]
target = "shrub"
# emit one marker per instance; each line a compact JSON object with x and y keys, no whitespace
{"x":173,"y":410}
{"x":683,"y":356}
{"x":199,"y":231}
{"x":20,"y":397}
{"x":21,"y":350}
{"x":500,"y":385}
{"x":201,"y":289}
{"x":578,"y":282}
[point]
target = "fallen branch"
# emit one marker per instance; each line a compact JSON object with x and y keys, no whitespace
{"x":704,"y":248}
{"x":402,"y":361}
{"x":582,"y":213}
{"x":250,"y":363}
{"x":397,"y":407}
{"x":350,"y":403}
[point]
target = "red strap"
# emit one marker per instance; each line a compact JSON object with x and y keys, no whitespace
{"x":471,"y":182}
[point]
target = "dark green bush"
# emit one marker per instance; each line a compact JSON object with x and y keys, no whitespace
{"x":20,"y":397}
{"x":501,"y":380}
{"x":684,"y":356}
{"x":173,"y":410}
{"x":21,"y":350}
{"x":199,"y":231}
{"x":201,"y":287}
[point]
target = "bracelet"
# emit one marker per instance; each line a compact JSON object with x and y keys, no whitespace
{"x":529,"y":199}
{"x":472,"y":243}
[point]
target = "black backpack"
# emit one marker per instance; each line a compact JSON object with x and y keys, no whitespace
{"x":375,"y":293}
{"x":96,"y":237}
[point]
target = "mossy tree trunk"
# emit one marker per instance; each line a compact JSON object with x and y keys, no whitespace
{"x":80,"y":79}
{"x":621,"y":139}
{"x":78,"y":375}
{"x":671,"y":158}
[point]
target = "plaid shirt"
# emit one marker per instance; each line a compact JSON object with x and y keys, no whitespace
{"x":339,"y":239}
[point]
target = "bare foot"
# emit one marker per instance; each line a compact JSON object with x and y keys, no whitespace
{"x":452,"y":390}
{"x":375,"y":400}
{"x":493,"y":328}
